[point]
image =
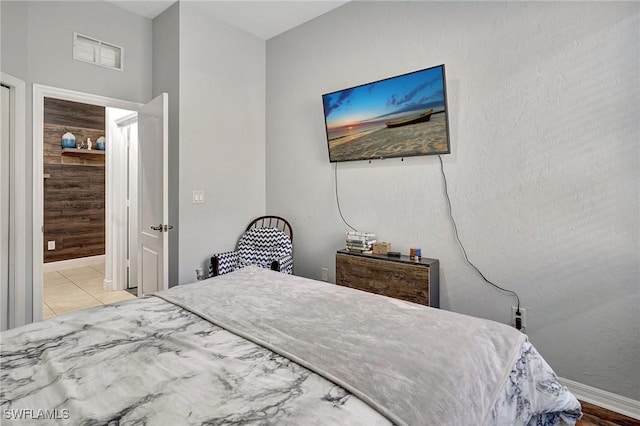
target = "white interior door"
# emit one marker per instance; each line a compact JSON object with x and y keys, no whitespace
{"x":153,"y":206}
{"x":4,"y":206}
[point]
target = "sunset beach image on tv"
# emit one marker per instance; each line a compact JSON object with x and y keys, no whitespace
{"x":401,"y":116}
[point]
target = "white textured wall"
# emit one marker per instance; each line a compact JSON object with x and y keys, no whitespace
{"x":544,"y":171}
{"x":222,"y":138}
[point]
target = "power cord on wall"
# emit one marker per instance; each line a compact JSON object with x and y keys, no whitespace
{"x":518,"y":323}
{"x":335,"y":178}
{"x":455,"y":229}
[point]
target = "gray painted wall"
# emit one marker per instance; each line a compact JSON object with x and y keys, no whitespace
{"x":13,"y":26}
{"x":50,"y":28}
{"x":37,"y":38}
{"x":543,"y":175}
{"x":222,"y":139}
{"x":166,"y":78}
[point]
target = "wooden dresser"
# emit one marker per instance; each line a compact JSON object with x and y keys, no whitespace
{"x":401,"y":278}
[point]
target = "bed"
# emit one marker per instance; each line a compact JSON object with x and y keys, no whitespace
{"x":260,"y":347}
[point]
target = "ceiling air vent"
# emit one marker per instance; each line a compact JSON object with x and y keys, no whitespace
{"x":87,"y":49}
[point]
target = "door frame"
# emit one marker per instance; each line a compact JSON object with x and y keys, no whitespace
{"x":124,"y":128}
{"x":113,"y":180}
{"x":127,"y":225}
{"x":17,"y":302}
{"x":117,"y":208}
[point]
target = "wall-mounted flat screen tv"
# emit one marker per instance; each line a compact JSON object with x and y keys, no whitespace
{"x":401,"y":116}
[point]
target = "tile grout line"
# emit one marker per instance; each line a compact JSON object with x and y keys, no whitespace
{"x":69,"y":278}
{"x":74,"y":283}
{"x":50,"y":308}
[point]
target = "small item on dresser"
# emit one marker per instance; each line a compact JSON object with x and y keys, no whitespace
{"x":381,"y":247}
{"x":415,"y":253}
{"x":393,"y":254}
{"x":361,"y":242}
{"x":89,"y":144}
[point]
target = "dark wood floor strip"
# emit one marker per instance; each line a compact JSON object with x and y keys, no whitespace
{"x":598,"y":416}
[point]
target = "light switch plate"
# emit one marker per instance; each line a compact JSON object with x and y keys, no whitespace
{"x":51,"y":245}
{"x":198,"y":197}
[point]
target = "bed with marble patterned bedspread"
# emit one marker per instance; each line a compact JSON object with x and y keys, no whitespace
{"x":260,"y":347}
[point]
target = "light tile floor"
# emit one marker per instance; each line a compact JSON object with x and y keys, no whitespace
{"x":79,"y":288}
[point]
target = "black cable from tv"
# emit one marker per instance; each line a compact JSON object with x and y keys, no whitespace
{"x":338,"y":198}
{"x":455,"y":230}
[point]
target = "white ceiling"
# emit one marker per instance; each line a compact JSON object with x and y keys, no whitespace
{"x":263,"y":18}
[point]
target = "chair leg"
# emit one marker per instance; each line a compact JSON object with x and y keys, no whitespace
{"x":215,"y":267}
{"x":275,"y":266}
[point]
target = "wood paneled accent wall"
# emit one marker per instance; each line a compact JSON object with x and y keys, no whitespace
{"x":74,"y":194}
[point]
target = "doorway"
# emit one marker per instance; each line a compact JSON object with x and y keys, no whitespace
{"x":74,"y":203}
{"x":115,"y":182}
{"x":152,"y":188}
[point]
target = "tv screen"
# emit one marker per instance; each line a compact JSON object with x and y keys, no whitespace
{"x":400,"y":116}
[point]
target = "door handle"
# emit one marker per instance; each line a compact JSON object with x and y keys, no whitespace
{"x":167,"y":227}
{"x":157,"y":228}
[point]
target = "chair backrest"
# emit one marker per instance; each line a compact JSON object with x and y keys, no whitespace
{"x":260,"y":246}
{"x":272,"y":222}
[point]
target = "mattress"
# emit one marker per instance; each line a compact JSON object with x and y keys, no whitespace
{"x":260,"y":347}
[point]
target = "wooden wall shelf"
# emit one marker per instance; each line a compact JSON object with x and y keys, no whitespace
{"x":76,"y":151}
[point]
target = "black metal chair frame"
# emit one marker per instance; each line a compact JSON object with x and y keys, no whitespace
{"x":272,"y":222}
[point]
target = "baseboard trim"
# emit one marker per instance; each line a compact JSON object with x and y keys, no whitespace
{"x":108,"y":285}
{"x":74,"y":263}
{"x":611,"y":401}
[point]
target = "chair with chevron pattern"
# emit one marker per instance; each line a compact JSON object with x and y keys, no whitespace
{"x":266,"y":243}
